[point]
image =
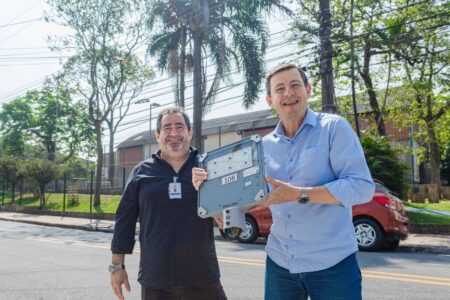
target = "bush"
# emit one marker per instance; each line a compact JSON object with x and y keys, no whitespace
{"x":385,"y":165}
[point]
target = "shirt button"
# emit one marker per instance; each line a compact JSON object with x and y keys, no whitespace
{"x":292,"y":255}
{"x":291,"y":159}
{"x":289,"y":216}
{"x":290,"y":177}
{"x":290,"y":236}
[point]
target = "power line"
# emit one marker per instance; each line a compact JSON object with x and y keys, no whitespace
{"x":23,"y":12}
{"x":22,"y":22}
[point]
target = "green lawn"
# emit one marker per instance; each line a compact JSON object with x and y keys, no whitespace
{"x":108,"y":204}
{"x":421,"y":218}
{"x":443,"y":205}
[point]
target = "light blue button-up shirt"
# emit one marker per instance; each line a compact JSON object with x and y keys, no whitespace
{"x":325,"y":151}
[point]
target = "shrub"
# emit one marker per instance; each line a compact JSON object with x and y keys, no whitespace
{"x":385,"y":165}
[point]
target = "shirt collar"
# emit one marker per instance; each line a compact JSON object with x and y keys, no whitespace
{"x":310,"y":119}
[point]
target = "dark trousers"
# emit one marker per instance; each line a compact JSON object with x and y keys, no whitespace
{"x":209,"y":292}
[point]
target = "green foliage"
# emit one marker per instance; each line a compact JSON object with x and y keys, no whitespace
{"x":398,"y":44}
{"x":235,"y":34}
{"x":10,"y":168}
{"x":11,"y":171}
{"x":76,"y":168}
{"x":385,"y":165}
{"x":49,"y":117}
{"x":13,"y":143}
{"x":41,"y":172}
{"x":105,"y":71}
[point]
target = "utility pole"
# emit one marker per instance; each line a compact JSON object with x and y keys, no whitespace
{"x":326,"y":58}
{"x":200,"y":24}
{"x":352,"y":50}
{"x":154,"y":104}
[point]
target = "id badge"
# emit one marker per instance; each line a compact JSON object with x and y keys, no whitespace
{"x":175,"y":189}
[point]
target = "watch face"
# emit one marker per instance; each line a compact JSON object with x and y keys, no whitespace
{"x":303,"y":196}
{"x":113,"y":268}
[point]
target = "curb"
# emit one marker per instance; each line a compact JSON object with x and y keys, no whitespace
{"x":424,"y":249}
{"x":67,"y":226}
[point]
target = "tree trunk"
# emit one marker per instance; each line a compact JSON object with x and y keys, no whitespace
{"x":111,"y":158}
{"x":51,"y":155}
{"x":326,"y":58}
{"x":435,"y":153}
{"x":435,"y":158}
{"x":99,"y":167}
{"x":42,"y":191}
{"x":352,"y":50}
{"x":13,"y":194}
{"x":365,"y":74}
{"x":182,"y":65}
{"x":374,"y":104}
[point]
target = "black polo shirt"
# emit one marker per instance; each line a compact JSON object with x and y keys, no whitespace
{"x":177,"y":246}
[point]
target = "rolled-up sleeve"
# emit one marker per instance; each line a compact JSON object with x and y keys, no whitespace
{"x":354,"y":183}
{"x":126,"y":217}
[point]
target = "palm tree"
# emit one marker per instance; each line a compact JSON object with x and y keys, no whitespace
{"x":170,"y":42}
{"x":225,"y":33}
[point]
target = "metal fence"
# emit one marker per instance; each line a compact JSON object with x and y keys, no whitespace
{"x":76,"y":194}
{"x":67,"y":193}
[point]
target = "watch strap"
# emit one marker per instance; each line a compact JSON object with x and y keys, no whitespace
{"x":304,"y":196}
{"x":115,"y":267}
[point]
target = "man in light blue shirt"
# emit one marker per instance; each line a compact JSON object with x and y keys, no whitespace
{"x":317,"y":171}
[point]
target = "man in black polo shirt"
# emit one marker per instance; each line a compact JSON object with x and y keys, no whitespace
{"x":178,"y":256}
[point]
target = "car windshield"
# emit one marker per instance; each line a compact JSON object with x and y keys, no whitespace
{"x":382,"y":188}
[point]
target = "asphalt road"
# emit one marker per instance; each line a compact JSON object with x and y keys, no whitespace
{"x":38,"y":262}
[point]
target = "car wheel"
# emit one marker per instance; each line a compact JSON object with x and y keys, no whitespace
{"x":390,"y":245}
{"x":250,"y":234}
{"x":369,"y":234}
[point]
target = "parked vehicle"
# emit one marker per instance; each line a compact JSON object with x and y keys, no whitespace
{"x":379,"y":224}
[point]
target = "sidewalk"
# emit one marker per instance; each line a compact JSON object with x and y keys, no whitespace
{"x":424,"y":243}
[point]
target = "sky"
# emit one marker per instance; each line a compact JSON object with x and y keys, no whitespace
{"x":25,"y":62}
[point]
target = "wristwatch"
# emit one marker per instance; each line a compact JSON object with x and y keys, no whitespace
{"x":115,"y":267}
{"x":304,"y":197}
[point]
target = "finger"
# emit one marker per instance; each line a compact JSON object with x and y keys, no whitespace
{"x":198,"y":172}
{"x":219,"y":222}
{"x":265,"y":204}
{"x":197,"y":183}
{"x":127,"y":284}
{"x":118,"y":292}
{"x":270,"y":180}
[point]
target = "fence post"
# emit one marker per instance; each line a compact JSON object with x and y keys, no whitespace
{"x":3,"y":191}
{"x":92,"y":188}
{"x":5,"y":188}
{"x":64,"y":194}
{"x":21,"y":191}
{"x":123,"y":180}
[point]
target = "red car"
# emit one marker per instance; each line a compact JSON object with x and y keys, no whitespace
{"x":379,"y":224}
